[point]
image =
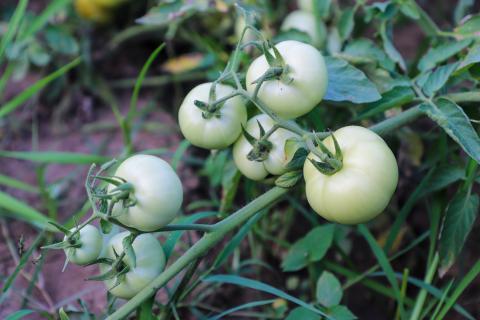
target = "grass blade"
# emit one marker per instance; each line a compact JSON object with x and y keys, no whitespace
{"x":23,"y":211}
{"x":13,"y":25}
{"x":17,"y":184}
{"x":36,"y":87}
{"x":55,"y":157}
{"x":241,"y":307}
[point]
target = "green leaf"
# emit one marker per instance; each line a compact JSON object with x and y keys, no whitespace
{"x":21,"y":210}
{"x":61,"y":41}
{"x":391,"y":51}
{"x":410,"y":9}
{"x":310,"y":248}
{"x":470,"y":28}
{"x":346,"y":23}
{"x":461,"y":9}
{"x":329,"y":290}
{"x":43,"y":18}
{"x":289,"y":179}
{"x":55,"y":157}
{"x":341,"y":313}
{"x":368,"y":50}
{"x":442,"y":177}
{"x":63,"y":315}
{"x":438,"y":78}
{"x":18,"y":100}
{"x":456,"y":124}
{"x":473,"y":57}
{"x":396,"y":97}
{"x":300,"y":313}
{"x":459,"y":219}
{"x":20,"y":314}
{"x":17,"y":184}
{"x":260,"y":286}
{"x":347,"y":83}
{"x":13,"y":26}
{"x":436,"y":55}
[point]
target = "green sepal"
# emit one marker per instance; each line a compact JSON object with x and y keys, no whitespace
{"x":116,"y":181}
{"x":101,"y":261}
{"x":289,"y":179}
{"x":271,"y":74}
{"x":323,"y":167}
{"x":338,"y":150}
{"x":270,"y":58}
{"x":108,"y":165}
{"x":322,"y":147}
{"x":109,"y":274}
{"x":262,"y":130}
{"x":128,"y":249}
{"x":260,"y":151}
{"x":59,"y":245}
{"x":200,"y":105}
{"x":251,"y":139}
{"x":212,"y":94}
{"x":298,"y":159}
{"x":60,"y":227}
{"x":120,"y":278}
{"x":278,"y":58}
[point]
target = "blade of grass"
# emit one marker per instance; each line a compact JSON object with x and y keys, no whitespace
{"x":260,"y":286}
{"x":12,"y":28}
{"x":22,"y":262}
{"x":17,"y":184}
{"x":384,"y":263}
{"x":23,"y":211}
{"x":178,"y":155}
{"x":422,"y":295}
{"x":5,"y":77}
{"x":467,"y":279}
{"x":139,"y":82}
{"x":55,"y":157}
{"x":36,"y":87}
{"x":247,"y":305}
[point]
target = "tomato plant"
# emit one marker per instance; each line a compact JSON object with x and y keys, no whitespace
{"x":86,"y":245}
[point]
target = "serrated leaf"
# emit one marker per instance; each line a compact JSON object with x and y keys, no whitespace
{"x":438,"y":78}
{"x":436,"y":55}
{"x":300,"y":313}
{"x":347,"y":83}
{"x":456,"y":124}
{"x":329,"y":290}
{"x":346,"y":23}
{"x":289,"y":179}
{"x":471,"y":27}
{"x":473,"y":57}
{"x":459,"y":219}
{"x":396,"y":97}
{"x":310,"y":248}
{"x":390,"y":50}
{"x":367,"y":49}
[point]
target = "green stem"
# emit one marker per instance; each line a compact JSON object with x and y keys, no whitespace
{"x":471,"y":96}
{"x":417,"y":309}
{"x":200,"y":248}
{"x":393,"y":123}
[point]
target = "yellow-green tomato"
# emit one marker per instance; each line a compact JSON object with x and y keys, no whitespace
{"x":91,"y":242}
{"x":362,"y":188}
{"x":149,"y":263}
{"x":302,"y":89}
{"x":157,"y":191}
{"x":305,"y":21}
{"x":221,"y":129}
{"x":277,"y":159}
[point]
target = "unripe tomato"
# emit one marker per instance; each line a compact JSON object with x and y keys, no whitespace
{"x":92,"y":11}
{"x":305,"y":21}
{"x":306,"y":86}
{"x":277,"y":159}
{"x":156,"y":188}
{"x":91,"y":242}
{"x":220,"y":130}
{"x":149,"y":263}
{"x":362,"y":188}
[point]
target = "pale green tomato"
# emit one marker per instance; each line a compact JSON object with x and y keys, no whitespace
{"x":217,"y":132}
{"x":305,"y":21}
{"x":362,"y":189}
{"x":277,"y":159}
{"x":157,"y":190}
{"x":306,"y":86}
{"x":306,"y":5}
{"x":149,"y":263}
{"x":91,"y":242}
